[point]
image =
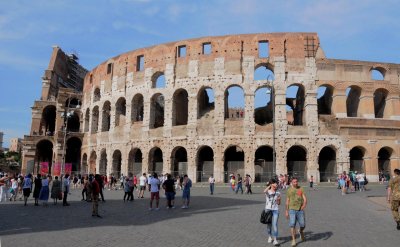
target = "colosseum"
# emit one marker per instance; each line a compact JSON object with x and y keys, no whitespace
{"x":258,"y":104}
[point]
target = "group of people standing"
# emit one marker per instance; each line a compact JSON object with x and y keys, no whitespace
{"x":353,"y":181}
{"x":236,"y":183}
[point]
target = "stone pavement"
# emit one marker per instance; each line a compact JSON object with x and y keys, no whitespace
{"x":224,"y":219}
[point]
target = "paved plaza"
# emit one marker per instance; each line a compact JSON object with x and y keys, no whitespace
{"x":223,"y":219}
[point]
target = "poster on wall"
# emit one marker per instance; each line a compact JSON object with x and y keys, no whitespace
{"x":57,"y":169}
{"x":44,"y":168}
{"x":68,"y":168}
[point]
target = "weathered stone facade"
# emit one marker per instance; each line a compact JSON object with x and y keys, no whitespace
{"x":132,"y":124}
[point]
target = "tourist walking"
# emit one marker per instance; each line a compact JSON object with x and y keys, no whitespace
{"x":84,"y":188}
{"x":38,"y":187}
{"x":4,"y":187}
{"x":56,"y":190}
{"x":186,"y":185}
{"x":155,"y":191}
{"x":127,"y":189}
{"x":211,"y":181}
{"x":44,"y":191}
{"x":27,"y":187}
{"x":296,"y":202}
{"x":169,"y":187}
{"x":14,"y":189}
{"x":272,"y":202}
{"x":66,"y":184}
{"x":239,"y":184}
{"x":142,"y":185}
{"x":95,"y":189}
{"x":100,"y":181}
{"x":393,"y":196}
{"x":248,"y":182}
{"x":312,"y":183}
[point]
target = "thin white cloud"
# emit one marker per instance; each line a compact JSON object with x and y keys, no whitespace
{"x":120,"y":25}
{"x":20,"y":62}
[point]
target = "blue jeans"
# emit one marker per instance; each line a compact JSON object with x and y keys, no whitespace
{"x":272,"y":229}
{"x":296,"y":216}
{"x":239,"y":185}
{"x":211,"y":188}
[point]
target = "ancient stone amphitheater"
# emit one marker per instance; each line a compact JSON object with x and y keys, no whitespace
{"x":218,"y":105}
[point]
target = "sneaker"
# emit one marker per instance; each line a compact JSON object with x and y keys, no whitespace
{"x":293,"y":243}
{"x":275,"y":243}
{"x":302,"y":237}
{"x":183,"y":207}
{"x":269,"y":240}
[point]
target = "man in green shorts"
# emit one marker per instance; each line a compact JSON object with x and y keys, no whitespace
{"x":296,"y":202}
{"x":393,"y":196}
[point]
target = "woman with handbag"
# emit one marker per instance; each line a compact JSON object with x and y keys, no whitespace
{"x":272,"y":202}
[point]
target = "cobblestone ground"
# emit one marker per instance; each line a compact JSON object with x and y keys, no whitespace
{"x":223,"y":219}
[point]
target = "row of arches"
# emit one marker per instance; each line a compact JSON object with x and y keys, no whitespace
{"x":233,"y":162}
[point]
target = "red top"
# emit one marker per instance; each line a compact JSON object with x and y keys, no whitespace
{"x":95,"y":187}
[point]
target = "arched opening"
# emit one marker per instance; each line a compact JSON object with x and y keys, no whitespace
{"x":295,"y":104}
{"x":378,"y":74}
{"x":384,"y":155}
{"x":73,"y":154}
{"x":263,"y":164}
{"x":179,"y":161}
{"x":180,"y":107}
{"x":103,"y":162}
{"x":157,"y":111}
{"x":87,"y":120}
{"x":44,"y":153}
{"x":234,"y":103}
{"x":135,"y":162}
{"x":73,"y":123}
{"x":205,"y":163}
{"x":263,"y":112}
{"x":96,"y":94}
{"x":72,"y":103}
{"x":106,"y":121}
{"x":137,"y":108}
{"x":324,"y":99}
{"x":357,"y":159}
{"x":158,"y":80}
{"x":327,"y":164}
{"x":95,"y":120}
{"x":116,"y":163}
{"x":205,"y":102}
{"x":380,"y":96}
{"x":92,"y":163}
{"x":155,"y":160}
{"x":353,"y":94}
{"x":297,"y":163}
{"x":233,"y":162}
{"x":48,"y":121}
{"x":120,"y":112}
{"x":84,"y":167}
{"x":263,"y":72}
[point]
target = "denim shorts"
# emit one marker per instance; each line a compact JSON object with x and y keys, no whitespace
{"x":170,"y":195}
{"x":296,"y":216}
{"x":186,"y":194}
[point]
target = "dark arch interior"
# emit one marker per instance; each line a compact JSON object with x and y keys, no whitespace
{"x":157,"y":111}
{"x":156,"y":161}
{"x":233,"y":162}
{"x":180,"y":110}
{"x":352,"y":101}
{"x":48,"y":123}
{"x":179,"y":162}
{"x":205,"y":102}
{"x":297,"y":163}
{"x":116,"y":165}
{"x":135,"y":162}
{"x":73,"y":153}
{"x":325,"y":101}
{"x":384,"y":160}
{"x":120,"y":112}
{"x":106,"y":122}
{"x":356,"y":160}
{"x":103,"y":163}
{"x":73,"y":123}
{"x":327,"y":164}
{"x":264,"y":169}
{"x":137,"y":108}
{"x":205,"y":164}
{"x":44,"y":153}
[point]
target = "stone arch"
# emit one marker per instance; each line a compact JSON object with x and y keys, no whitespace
{"x":72,"y":103}
{"x":135,"y":162}
{"x":357,"y":155}
{"x":73,"y":122}
{"x":263,"y":110}
{"x":179,"y":164}
{"x":296,"y":162}
{"x":87,"y":120}
{"x":158,"y":80}
{"x":263,"y":164}
{"x":180,"y":106}
{"x":264,"y":71}
{"x":324,"y":99}
{"x":157,"y":111}
{"x":73,"y":153}
{"x":84,"y":166}
{"x":106,"y":117}
{"x":384,"y":156}
{"x":327,"y":164}
{"x":103,"y":162}
{"x":233,"y":162}
{"x":92,"y":162}
{"x":378,"y":73}
{"x":234,"y":102}
{"x":120,"y":112}
{"x":380,"y":96}
{"x":205,"y":102}
{"x":353,"y":100}
{"x":96,"y":94}
{"x":44,"y":153}
{"x":95,"y":120}
{"x":48,"y":121}
{"x":156,"y":160}
{"x":116,"y":163}
{"x":295,"y":99}
{"x":137,"y":108}
{"x":205,"y":163}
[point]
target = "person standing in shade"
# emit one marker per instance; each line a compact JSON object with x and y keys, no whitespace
{"x":211,"y":181}
{"x":44,"y":191}
{"x":142,"y":185}
{"x":272,"y":202}
{"x":296,"y":202}
{"x":393,"y":196}
{"x":169,"y":187}
{"x":56,"y":190}
{"x":38,"y":187}
{"x":66,"y":183}
{"x":27,"y":187}
{"x":239,"y":184}
{"x":248,"y":182}
{"x":95,"y":189}
{"x":186,"y":185}
{"x":154,"y":184}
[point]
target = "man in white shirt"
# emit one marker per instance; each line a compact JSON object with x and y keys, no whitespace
{"x":65,"y":189}
{"x":155,"y":191}
{"x":211,"y":180}
{"x":142,"y":185}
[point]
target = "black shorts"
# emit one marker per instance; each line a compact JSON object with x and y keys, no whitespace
{"x":27,"y":192}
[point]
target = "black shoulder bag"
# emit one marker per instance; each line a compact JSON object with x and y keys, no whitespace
{"x":266,"y":214}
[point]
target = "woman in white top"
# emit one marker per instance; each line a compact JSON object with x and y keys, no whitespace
{"x":272,"y":202}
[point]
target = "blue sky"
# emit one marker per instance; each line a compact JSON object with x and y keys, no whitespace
{"x":97,"y":30}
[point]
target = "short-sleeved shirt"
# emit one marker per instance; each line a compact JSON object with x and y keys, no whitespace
{"x":295,"y":196}
{"x":394,"y":185}
{"x":154,"y":183}
{"x":187,"y":186}
{"x":169,"y":185}
{"x":271,"y":200}
{"x":142,"y":181}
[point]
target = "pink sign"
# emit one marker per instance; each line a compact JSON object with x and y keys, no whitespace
{"x":57,"y":169}
{"x":44,"y":168}
{"x":68,"y":168}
